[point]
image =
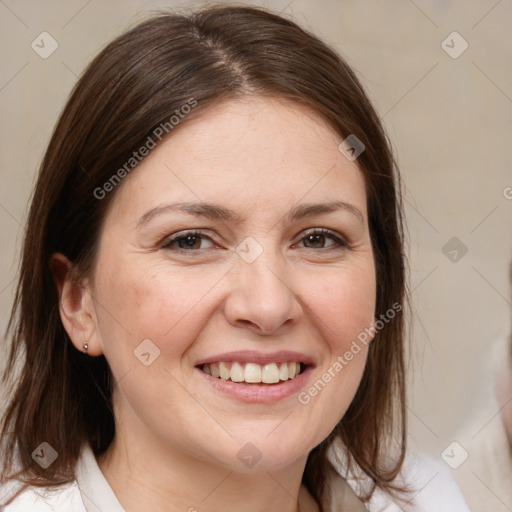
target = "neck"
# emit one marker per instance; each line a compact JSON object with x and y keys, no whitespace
{"x":145,"y":475}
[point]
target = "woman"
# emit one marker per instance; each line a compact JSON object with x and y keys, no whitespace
{"x":212,"y":285}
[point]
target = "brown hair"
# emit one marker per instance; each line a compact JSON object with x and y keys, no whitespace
{"x":135,"y":84}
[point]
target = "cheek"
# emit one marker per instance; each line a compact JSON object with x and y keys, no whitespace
{"x":163,"y":305}
{"x":343,"y":308}
{"x":344,"y":305}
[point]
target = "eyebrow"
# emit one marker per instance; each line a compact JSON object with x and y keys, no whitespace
{"x":217,"y":212}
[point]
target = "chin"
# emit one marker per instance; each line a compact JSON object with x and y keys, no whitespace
{"x":262,"y":452}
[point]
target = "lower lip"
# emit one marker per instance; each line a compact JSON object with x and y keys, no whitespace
{"x":258,"y":393}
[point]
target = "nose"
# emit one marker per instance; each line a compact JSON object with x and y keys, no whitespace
{"x":261,"y":296}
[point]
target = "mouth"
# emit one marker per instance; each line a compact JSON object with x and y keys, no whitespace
{"x":253,"y":376}
{"x":253,"y":373}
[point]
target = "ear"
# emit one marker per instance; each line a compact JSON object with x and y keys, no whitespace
{"x":76,"y":306}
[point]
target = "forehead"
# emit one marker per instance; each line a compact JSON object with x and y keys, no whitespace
{"x":249,"y":152}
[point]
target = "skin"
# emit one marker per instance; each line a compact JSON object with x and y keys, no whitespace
{"x":177,"y":437}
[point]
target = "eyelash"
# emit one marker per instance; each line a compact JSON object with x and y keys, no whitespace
{"x":339,"y":242}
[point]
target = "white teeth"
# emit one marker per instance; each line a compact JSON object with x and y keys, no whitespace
{"x":237,"y":372}
{"x":224,"y":372}
{"x":214,"y":368}
{"x":253,"y":373}
{"x":270,"y":374}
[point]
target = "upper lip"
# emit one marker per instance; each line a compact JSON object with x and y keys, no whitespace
{"x":254,"y":356}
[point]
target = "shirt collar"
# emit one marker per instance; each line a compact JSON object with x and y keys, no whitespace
{"x":96,"y":492}
{"x":98,"y":496}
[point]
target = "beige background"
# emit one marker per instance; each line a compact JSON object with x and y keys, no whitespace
{"x":450,"y":121}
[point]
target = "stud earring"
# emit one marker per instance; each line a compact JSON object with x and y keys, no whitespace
{"x":85,"y":346}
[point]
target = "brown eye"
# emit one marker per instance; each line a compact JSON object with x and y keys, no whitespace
{"x":318,"y":240}
{"x":188,"y":241}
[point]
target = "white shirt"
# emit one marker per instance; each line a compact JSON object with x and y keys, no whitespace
{"x":434,"y":491}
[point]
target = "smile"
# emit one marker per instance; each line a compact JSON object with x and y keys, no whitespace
{"x":256,"y":376}
{"x":254,"y":373}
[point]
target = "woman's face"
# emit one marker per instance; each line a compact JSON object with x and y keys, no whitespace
{"x":255,"y":288}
